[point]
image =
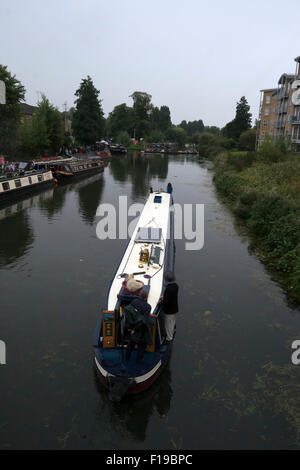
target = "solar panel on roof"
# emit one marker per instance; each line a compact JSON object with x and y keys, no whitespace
{"x":148,"y":235}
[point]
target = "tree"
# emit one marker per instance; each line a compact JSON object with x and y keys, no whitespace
{"x":176,"y":134}
{"x":124,"y":138}
{"x":192,"y":127}
{"x":156,"y":136}
{"x":53,"y":122}
{"x":160,"y":118}
{"x":10,"y":113}
{"x":40,"y":136}
{"x":164,"y":119}
{"x":44,"y":132}
{"x":142,"y":108}
{"x":210,"y":144}
{"x":25,"y":138}
{"x":88,"y":121}
{"x":241,"y":122}
{"x":120,"y":119}
{"x":247,"y":139}
{"x":212,"y":130}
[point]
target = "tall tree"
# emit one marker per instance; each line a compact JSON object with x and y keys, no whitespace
{"x":120,"y":120}
{"x":44,"y":132}
{"x":164,"y":118}
{"x":88,"y":121}
{"x":192,"y":127}
{"x":141,"y":108}
{"x":10,"y":112}
{"x":53,"y":122}
{"x":241,"y":122}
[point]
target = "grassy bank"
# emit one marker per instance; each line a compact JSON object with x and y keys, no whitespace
{"x":266,"y":197}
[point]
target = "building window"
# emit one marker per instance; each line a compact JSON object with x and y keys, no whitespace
{"x":267,"y":111}
{"x":265,"y":123}
{"x":296,"y":133}
{"x":268,"y":99}
{"x":263,"y":133}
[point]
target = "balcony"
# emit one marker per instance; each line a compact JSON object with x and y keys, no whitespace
{"x":295,"y":119}
{"x":283,"y":93}
{"x":279,"y":124}
{"x":282,"y":109}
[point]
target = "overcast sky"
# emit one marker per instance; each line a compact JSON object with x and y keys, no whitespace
{"x":197,"y":57}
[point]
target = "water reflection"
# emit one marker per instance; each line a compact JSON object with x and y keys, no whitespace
{"x":89,"y":196}
{"x":12,"y":208}
{"x":53,"y":205}
{"x":139,"y":170}
{"x":16,"y":237}
{"x":16,"y":232}
{"x":133,"y":412}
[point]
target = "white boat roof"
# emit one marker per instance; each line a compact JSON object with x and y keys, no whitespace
{"x":154,"y":215}
{"x":55,"y":160}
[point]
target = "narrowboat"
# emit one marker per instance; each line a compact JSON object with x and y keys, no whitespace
{"x":117,"y":148}
{"x":25,"y":182}
{"x":102,"y":150}
{"x":76,"y":168}
{"x":149,"y":253}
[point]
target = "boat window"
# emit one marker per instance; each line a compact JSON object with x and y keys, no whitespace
{"x":18,"y":183}
{"x":148,"y":234}
{"x":157,"y":199}
{"x":40,"y":178}
{"x":29,"y":179}
{"x":5,"y":186}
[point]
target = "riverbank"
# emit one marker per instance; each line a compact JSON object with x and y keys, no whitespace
{"x":266,"y":198}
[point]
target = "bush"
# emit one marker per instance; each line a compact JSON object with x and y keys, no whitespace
{"x":206,"y":144}
{"x":266,"y":212}
{"x":290,"y":261}
{"x":124,"y":139}
{"x":229,"y":184}
{"x":245,"y":203}
{"x":270,"y":152}
{"x":229,"y":143}
{"x":285,"y":235}
{"x":249,"y":197}
{"x":247,"y":140}
{"x":241,"y":160}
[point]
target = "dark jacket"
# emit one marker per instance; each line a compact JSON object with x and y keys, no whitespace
{"x":142,"y":306}
{"x":138,"y":321}
{"x":170,"y":300}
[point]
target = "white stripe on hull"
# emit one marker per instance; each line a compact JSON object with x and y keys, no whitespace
{"x":138,"y":380}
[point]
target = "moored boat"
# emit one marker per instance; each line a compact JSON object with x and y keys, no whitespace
{"x":76,"y":168}
{"x":26,"y":182}
{"x":117,"y":148}
{"x":149,"y":253}
{"x":103,"y":150}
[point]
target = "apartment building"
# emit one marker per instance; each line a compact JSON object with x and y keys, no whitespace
{"x":279,"y":111}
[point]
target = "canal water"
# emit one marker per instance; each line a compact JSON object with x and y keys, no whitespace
{"x":229,"y":383}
